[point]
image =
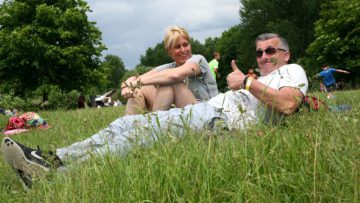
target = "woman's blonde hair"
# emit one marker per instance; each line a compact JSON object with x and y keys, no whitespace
{"x":172,"y":35}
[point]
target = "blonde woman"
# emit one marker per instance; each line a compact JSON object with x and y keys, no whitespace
{"x":187,"y":80}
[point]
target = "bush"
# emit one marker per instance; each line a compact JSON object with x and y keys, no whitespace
{"x":58,"y":99}
{"x":10,"y":102}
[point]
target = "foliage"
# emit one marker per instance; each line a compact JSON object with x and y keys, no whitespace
{"x":155,"y":56}
{"x":228,"y":46}
{"x":139,"y":70}
{"x":210,"y":47}
{"x":113,"y":69}
{"x":47,"y":43}
{"x":62,"y":100}
{"x":293,"y":19}
{"x":10,"y":102}
{"x":337,"y":40}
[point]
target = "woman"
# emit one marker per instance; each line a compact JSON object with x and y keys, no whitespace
{"x":185,"y":81}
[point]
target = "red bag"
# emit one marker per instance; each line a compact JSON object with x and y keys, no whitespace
{"x":314,"y":103}
{"x":15,"y":123}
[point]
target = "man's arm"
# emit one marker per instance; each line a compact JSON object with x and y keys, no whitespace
{"x":286,"y":100}
{"x":216,"y":72}
{"x":342,"y":71}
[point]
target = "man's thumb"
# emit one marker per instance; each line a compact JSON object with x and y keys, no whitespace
{"x":233,"y":65}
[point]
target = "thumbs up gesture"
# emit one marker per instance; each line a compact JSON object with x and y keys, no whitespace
{"x":236,"y":78}
{"x":234,"y":66}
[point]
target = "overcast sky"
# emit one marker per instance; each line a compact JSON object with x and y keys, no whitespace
{"x":129,"y":27}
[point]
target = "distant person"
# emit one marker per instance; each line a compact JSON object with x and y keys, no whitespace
{"x":214,"y":65}
{"x":322,"y":87}
{"x":81,"y":102}
{"x":327,"y":75}
{"x":251,"y":73}
{"x":187,"y":80}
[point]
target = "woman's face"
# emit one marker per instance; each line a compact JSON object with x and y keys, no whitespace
{"x":181,"y":51}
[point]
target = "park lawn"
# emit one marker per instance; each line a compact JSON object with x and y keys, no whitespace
{"x":312,"y":157}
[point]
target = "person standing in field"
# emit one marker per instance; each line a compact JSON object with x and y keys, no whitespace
{"x":214,"y":65}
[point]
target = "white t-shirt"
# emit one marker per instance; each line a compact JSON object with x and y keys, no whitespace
{"x":241,"y":108}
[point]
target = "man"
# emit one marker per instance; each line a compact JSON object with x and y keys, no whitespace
{"x":278,"y":91}
{"x":329,"y":81}
{"x":214,"y":65}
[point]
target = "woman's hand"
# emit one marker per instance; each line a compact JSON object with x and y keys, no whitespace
{"x":127,"y":92}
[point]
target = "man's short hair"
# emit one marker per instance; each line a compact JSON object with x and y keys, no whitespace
{"x":283,"y":42}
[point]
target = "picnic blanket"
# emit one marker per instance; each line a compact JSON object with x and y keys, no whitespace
{"x":24,"y":122}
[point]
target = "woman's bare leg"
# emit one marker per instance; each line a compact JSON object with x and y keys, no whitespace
{"x":178,"y":94}
{"x":183,"y":95}
{"x":143,"y":100}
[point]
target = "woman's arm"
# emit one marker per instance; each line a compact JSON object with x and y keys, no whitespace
{"x":168,"y":76}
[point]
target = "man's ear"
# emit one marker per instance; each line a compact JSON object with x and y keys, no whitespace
{"x":287,"y":56}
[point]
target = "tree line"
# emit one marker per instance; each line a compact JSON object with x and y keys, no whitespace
{"x":47,"y":44}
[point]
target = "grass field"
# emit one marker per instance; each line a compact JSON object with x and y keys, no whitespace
{"x":312,"y":157}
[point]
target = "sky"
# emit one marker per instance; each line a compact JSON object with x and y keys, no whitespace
{"x":129,"y":27}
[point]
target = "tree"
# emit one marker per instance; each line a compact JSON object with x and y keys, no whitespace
{"x":155,"y":56}
{"x":113,"y":68}
{"x":337,"y":40}
{"x":210,"y":47}
{"x":293,"y":19}
{"x":48,"y":42}
{"x":228,"y":46}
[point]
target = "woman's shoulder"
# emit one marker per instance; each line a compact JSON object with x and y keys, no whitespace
{"x":197,"y":58}
{"x":166,"y":66}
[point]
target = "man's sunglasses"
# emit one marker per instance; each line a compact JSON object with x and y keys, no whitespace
{"x":268,"y":51}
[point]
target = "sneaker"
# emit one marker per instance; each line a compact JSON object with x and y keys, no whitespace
{"x":27,"y":162}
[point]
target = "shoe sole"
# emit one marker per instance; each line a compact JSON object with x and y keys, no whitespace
{"x":14,"y":155}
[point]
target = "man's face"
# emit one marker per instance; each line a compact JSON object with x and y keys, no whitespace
{"x":272,"y":60}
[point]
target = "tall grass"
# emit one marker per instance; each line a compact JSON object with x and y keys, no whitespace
{"x":312,"y":157}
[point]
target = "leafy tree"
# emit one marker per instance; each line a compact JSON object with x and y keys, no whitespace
{"x":48,"y":43}
{"x":197,"y":47}
{"x":155,"y":56}
{"x":337,"y":40}
{"x":210,"y":47}
{"x":228,"y":46}
{"x":293,"y":19}
{"x":113,"y":68}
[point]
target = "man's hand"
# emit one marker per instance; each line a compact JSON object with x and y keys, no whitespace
{"x":236,"y":78}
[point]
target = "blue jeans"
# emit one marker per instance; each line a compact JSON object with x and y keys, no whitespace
{"x":145,"y":129}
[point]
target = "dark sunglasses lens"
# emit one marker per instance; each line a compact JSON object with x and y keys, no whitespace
{"x":259,"y":53}
{"x":270,"y":51}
